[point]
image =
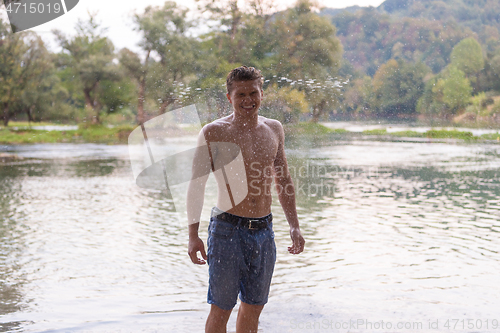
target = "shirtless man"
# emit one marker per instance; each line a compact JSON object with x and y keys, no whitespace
{"x":241,"y":248}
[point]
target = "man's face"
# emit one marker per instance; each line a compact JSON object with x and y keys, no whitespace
{"x":245,"y":96}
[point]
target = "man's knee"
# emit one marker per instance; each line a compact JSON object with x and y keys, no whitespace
{"x":219,"y":314}
{"x":217,"y":320}
{"x":250,"y":310}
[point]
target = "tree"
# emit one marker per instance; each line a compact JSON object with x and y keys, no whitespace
{"x":43,"y":93}
{"x":474,"y":14}
{"x":305,"y":43}
{"x":445,"y":94}
{"x":90,"y":58}
{"x":306,"y":49}
{"x":431,"y":103}
{"x":211,"y":83}
{"x":358,"y":97}
{"x":491,"y":73}
{"x":467,"y":56}
{"x":285,"y":104}
{"x":322,"y":95}
{"x":138,"y":70}
{"x":229,"y":18}
{"x":397,"y":86}
{"x":165,"y":37}
{"x":455,"y":89}
{"x":27,"y":81}
{"x":296,"y":44}
{"x":237,"y":39}
{"x":263,"y":8}
{"x":371,"y":38}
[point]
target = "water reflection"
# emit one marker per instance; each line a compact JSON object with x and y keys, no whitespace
{"x":395,"y":231}
{"x":411,"y":231}
{"x":12,"y":298}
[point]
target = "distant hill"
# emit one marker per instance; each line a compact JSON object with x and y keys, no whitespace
{"x":414,"y":30}
{"x":481,"y":16}
{"x":336,"y":11}
{"x":474,"y":14}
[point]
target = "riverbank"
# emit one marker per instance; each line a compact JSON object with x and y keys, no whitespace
{"x":22,"y":134}
{"x":383,"y":133}
{"x":89,"y":134}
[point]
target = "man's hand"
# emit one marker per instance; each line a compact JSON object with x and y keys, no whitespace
{"x":196,"y":244}
{"x":298,"y":241}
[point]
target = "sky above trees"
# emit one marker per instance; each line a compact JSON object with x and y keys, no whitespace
{"x":117,"y":17}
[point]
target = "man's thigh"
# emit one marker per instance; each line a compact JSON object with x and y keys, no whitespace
{"x":259,"y":262}
{"x":224,"y":260}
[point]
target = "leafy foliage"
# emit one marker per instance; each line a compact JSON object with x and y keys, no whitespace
{"x":468,"y":56}
{"x":88,"y":56}
{"x":371,"y":38}
{"x":398,"y":86}
{"x":481,"y":16}
{"x":27,"y":81}
{"x":406,"y":57}
{"x":445,"y":94}
{"x":285,"y":104}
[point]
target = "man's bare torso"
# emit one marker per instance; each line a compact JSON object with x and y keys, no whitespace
{"x":259,"y":147}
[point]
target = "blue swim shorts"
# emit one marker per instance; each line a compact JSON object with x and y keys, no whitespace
{"x":241,"y":261}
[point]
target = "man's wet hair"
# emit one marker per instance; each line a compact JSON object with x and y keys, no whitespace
{"x":243,"y":73}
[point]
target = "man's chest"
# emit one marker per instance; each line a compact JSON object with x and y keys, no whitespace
{"x":257,"y":148}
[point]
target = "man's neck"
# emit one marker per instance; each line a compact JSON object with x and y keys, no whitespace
{"x":246,"y":121}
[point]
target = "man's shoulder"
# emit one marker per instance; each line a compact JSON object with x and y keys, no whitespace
{"x":273,"y":124}
{"x":216,"y":128}
{"x":270,"y":121}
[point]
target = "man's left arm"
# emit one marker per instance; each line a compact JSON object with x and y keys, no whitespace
{"x":286,"y":194}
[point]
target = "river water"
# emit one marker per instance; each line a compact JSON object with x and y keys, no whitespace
{"x":401,"y":237}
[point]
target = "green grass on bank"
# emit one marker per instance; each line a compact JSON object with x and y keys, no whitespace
{"x":94,"y":134}
{"x":433,"y":134}
{"x":318,"y":129}
{"x":491,"y":136}
{"x":377,"y":131}
{"x":307,"y":128}
{"x":103,"y":134}
{"x":119,"y":134}
{"x":452,"y":134}
{"x":408,"y":134}
{"x":27,"y":124}
{"x":33,"y":136}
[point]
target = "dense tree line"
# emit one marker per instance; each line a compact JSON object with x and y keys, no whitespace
{"x":480,"y":16}
{"x":296,"y":49}
{"x":410,"y":58}
{"x":356,"y":63}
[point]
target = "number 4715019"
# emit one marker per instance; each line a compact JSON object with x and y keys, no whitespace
{"x":471,"y":324}
{"x":14,"y":7}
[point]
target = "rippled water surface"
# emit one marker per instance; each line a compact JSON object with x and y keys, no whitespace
{"x":404,"y":233}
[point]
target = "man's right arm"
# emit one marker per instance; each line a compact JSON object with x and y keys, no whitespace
{"x":195,"y":197}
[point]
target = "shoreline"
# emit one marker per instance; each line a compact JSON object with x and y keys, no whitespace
{"x":119,"y":134}
{"x":382,"y":133}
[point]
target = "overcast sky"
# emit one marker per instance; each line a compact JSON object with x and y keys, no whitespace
{"x":116,"y":16}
